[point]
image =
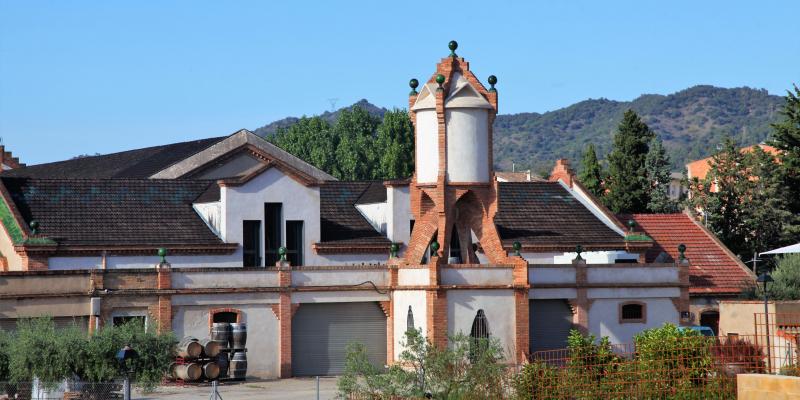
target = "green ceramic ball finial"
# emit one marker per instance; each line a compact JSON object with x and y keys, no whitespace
{"x":682,"y":251}
{"x":453,"y":45}
{"x":435,"y":247}
{"x":34,"y":227}
{"x":282,"y":253}
{"x":440,"y":80}
{"x":579,"y":250}
{"x":631,"y":224}
{"x":413,"y":83}
{"x":393,"y":249}
{"x":162,"y":252}
{"x":517,"y":246}
{"x":492,"y":82}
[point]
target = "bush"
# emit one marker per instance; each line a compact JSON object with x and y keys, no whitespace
{"x":5,"y":341}
{"x":39,"y":350}
{"x":466,"y":369}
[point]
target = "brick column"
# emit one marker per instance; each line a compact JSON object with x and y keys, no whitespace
{"x":163,"y":311}
{"x":521,"y":308}
{"x":437,"y":316}
{"x":582,"y":304}
{"x":682,"y":303}
{"x":285,"y":318}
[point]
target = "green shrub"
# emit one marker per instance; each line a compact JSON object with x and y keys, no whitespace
{"x":39,"y":350}
{"x":5,"y":341}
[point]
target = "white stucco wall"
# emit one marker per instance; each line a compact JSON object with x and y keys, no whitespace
{"x":632,"y":275}
{"x":7,"y":250}
{"x":339,"y":296}
{"x":121,"y":262}
{"x":262,"y":333}
{"x":338,"y":277}
{"x":498,"y":305}
{"x":413,"y":276}
{"x":246,"y":202}
{"x":467,"y":145}
{"x":477,"y":276}
{"x":399,"y":215}
{"x":604,"y":318}
{"x":348,"y":259}
{"x":233,"y":279}
{"x":565,"y":275}
{"x":427,"y":146}
{"x":376,"y":215}
{"x":211,"y":213}
{"x":553,"y":293}
{"x":591,"y":257}
{"x":401,"y":300}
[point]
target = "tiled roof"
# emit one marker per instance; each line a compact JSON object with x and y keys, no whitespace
{"x":713,"y":269}
{"x":131,"y":164}
{"x":525,"y":176}
{"x":340,"y":221}
{"x":546,"y":214}
{"x":375,"y":193}
{"x":700,"y":168}
{"x":111,"y":212}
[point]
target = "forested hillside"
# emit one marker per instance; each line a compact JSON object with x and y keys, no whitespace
{"x":691,"y":123}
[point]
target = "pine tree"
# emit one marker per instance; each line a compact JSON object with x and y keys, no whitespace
{"x":765,"y":208}
{"x":591,"y":173}
{"x":658,"y":176}
{"x":627,"y":184}
{"x":786,"y":137}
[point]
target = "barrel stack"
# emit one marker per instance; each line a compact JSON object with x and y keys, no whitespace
{"x":232,"y":358}
{"x":196,"y":360}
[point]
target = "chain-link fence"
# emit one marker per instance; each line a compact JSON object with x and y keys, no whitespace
{"x":64,"y":391}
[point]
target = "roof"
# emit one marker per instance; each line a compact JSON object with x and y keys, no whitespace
{"x":131,"y":164}
{"x":713,"y":268}
{"x":340,"y":221}
{"x":374,"y":193}
{"x":525,"y":176}
{"x":546,"y":214}
{"x":700,"y":168}
{"x":113,"y":212}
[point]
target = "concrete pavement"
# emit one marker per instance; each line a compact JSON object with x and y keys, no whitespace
{"x":283,"y":389}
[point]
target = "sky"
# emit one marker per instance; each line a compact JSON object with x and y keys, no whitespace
{"x":83,"y":77}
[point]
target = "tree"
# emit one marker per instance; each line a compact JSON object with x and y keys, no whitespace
{"x":658,"y":175}
{"x":627,"y":183}
{"x":764,"y":206}
{"x":355,"y":155}
{"x":591,"y":174}
{"x":786,"y":137}
{"x":786,"y":285}
{"x":395,"y":145}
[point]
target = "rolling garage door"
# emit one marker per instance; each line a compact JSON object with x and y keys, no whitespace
{"x":550,"y":322}
{"x":321,"y":333}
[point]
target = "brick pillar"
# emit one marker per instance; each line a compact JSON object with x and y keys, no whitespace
{"x":285,"y":318}
{"x":682,"y":303}
{"x":388,"y":310}
{"x":163,"y":311}
{"x":582,"y":304}
{"x":521,"y":308}
{"x":437,"y":317}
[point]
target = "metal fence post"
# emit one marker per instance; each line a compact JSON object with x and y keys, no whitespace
{"x":126,"y":388}
{"x":317,"y":387}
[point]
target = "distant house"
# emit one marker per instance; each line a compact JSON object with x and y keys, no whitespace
{"x":715,"y":273}
{"x":521,"y":176}
{"x":700,"y":168}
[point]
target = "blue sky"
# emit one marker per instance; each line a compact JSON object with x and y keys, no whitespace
{"x":84,"y":77}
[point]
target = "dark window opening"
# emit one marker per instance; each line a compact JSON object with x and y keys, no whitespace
{"x":410,"y":320}
{"x":479,"y":336}
{"x":294,"y":242}
{"x":626,"y":261}
{"x":632,"y":312}
{"x":139,"y":320}
{"x":455,"y":248}
{"x":251,"y":242}
{"x":272,"y":232}
{"x":225,"y":316}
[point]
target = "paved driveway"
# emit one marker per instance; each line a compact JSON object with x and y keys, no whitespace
{"x":284,"y":389}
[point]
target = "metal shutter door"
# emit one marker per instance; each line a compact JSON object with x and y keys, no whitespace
{"x":321,"y":333}
{"x":550,"y":323}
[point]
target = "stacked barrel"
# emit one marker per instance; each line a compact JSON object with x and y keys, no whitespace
{"x":232,"y":358}
{"x":196,"y":360}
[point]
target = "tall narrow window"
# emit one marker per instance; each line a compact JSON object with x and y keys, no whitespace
{"x":251,"y":242}
{"x":272,"y":232}
{"x":455,"y":248}
{"x":294,"y":242}
{"x":410,"y":320}
{"x":479,"y":336}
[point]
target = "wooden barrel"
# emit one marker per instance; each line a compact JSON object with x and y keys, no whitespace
{"x":238,"y":367}
{"x":238,"y":336}
{"x":211,"y":370}
{"x":189,"y":348}
{"x":211,"y":348}
{"x":188,"y":372}
{"x":221,"y":332}
{"x":223,"y":362}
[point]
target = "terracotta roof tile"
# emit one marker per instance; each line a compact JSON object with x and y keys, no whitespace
{"x":713,"y":269}
{"x":340,"y":221}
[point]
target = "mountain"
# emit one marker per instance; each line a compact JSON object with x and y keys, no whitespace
{"x":691,"y":123}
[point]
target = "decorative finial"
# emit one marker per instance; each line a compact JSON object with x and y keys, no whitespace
{"x":282,"y":253}
{"x":453,"y":45}
{"x":492,"y":82}
{"x":579,"y":250}
{"x":440,"y":80}
{"x":517,"y":246}
{"x":413,"y":83}
{"x":34,"y":227}
{"x":682,"y":251}
{"x":631,"y":224}
{"x":393,"y":250}
{"x":435,"y":247}
{"x":162,"y":252}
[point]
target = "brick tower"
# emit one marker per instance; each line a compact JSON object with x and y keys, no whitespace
{"x":453,"y":190}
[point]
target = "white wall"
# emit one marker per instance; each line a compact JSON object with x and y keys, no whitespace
{"x":591,"y":257}
{"x":467,"y":145}
{"x":427,"y":146}
{"x":376,"y":214}
{"x":498,"y":305}
{"x":350,"y":259}
{"x":401,"y":300}
{"x":121,"y":262}
{"x":246,"y":202}
{"x":211,"y":213}
{"x":7,"y":250}
{"x":399,"y":215}
{"x":604,"y":318}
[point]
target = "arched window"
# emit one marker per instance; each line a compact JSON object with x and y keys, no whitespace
{"x":632,"y":312}
{"x":455,"y":248}
{"x":479,"y":335}
{"x":410,"y":320}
